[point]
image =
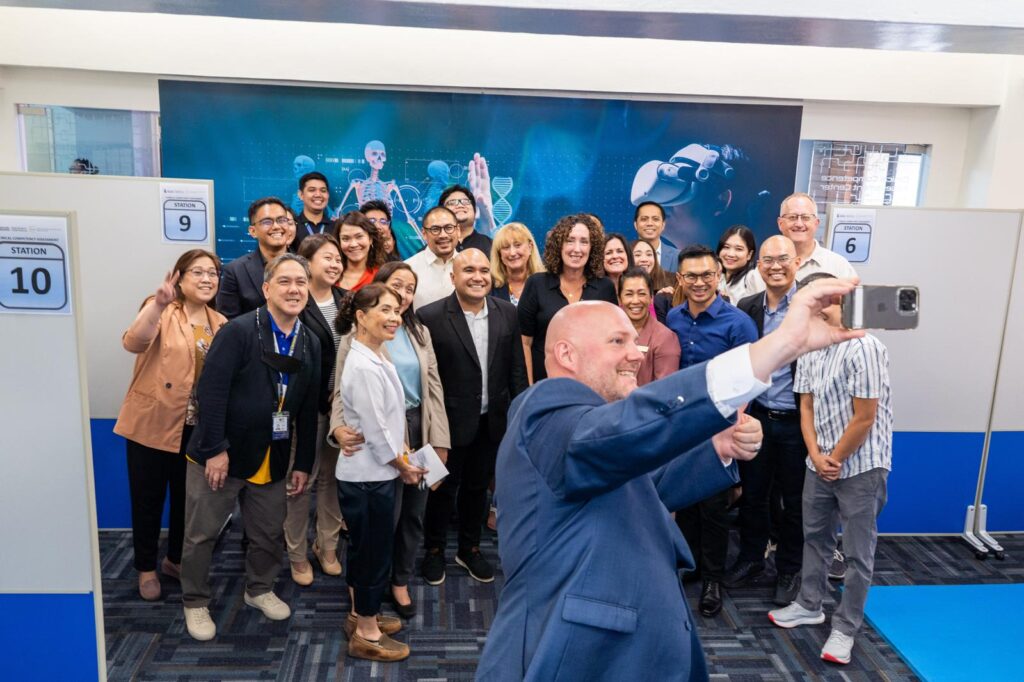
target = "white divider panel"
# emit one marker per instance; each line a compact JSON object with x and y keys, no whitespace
{"x":943,"y":372}
{"x":123,"y":256}
{"x":1009,"y":409}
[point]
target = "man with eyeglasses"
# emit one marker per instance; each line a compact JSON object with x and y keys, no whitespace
{"x":314,"y":193}
{"x":241,"y":282}
{"x":459,"y":200}
{"x":781,"y":462}
{"x":798,"y":220}
{"x":649,"y":223}
{"x":433,"y":265}
{"x":707,"y":326}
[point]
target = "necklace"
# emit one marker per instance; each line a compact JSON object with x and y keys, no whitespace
{"x":571,"y":294}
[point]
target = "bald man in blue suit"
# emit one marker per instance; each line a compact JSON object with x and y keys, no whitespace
{"x":586,"y":473}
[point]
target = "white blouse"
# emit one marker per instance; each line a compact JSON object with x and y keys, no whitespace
{"x":374,"y":403}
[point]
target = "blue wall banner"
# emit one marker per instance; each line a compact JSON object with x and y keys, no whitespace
{"x":527,"y":159}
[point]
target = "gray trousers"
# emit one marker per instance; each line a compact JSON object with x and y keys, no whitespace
{"x":206,"y":511}
{"x":856,"y":502}
{"x":410,"y":503}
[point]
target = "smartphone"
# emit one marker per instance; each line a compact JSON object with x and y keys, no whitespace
{"x":881,"y":307}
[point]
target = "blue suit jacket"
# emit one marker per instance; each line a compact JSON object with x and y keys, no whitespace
{"x":669,"y":260}
{"x":589,"y":550}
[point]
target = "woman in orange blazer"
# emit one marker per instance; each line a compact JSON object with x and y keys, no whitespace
{"x":170,"y":337}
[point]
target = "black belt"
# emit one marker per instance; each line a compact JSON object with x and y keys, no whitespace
{"x":774,"y":415}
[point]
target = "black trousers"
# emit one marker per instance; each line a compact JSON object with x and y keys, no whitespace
{"x":781,"y":462}
{"x":150,"y":473}
{"x":705,"y":526}
{"x":469,"y":473}
{"x":369,"y":510}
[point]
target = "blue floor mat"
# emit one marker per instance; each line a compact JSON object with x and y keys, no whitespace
{"x":953,"y":632}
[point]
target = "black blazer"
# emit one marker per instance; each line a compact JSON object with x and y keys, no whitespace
{"x":501,"y":292}
{"x":321,"y":327}
{"x":459,"y":366}
{"x":662,"y":304}
{"x":241,"y":285}
{"x":237,"y":396}
{"x":754,"y":306}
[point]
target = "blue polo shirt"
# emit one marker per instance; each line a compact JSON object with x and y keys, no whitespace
{"x":284,"y":343}
{"x":719,"y":328}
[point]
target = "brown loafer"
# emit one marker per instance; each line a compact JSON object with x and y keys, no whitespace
{"x":149,"y":589}
{"x":170,"y":569}
{"x":302,"y":573}
{"x":384,"y":649}
{"x":328,"y":567}
{"x":389,"y":625}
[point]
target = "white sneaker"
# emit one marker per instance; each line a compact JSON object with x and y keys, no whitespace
{"x":837,"y":649}
{"x":794,"y":614}
{"x":272,"y":607}
{"x":199,"y":623}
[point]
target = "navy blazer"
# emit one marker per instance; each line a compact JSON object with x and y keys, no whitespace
{"x":459,"y":366}
{"x":589,"y":550}
{"x":241,"y":285}
{"x":323,"y":328}
{"x":754,"y":306}
{"x":237,"y":396}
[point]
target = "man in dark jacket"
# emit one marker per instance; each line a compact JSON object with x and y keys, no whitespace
{"x":480,"y":362}
{"x":258,"y":391}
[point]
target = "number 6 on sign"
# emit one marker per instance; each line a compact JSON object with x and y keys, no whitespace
{"x":852,"y":240}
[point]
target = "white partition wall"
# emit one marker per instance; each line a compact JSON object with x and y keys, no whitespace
{"x":49,"y":567}
{"x":124,"y":252}
{"x":943,"y":373}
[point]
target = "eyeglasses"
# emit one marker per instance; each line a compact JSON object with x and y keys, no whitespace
{"x":437,"y":229}
{"x":199,"y":272}
{"x":770,"y":261}
{"x":799,"y":217}
{"x":281,"y":220}
{"x":692,"y":277}
{"x":380,"y":221}
{"x":457,"y":202}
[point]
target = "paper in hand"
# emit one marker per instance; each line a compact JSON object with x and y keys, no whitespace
{"x":426,"y":458}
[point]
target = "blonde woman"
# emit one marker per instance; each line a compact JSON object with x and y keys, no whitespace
{"x":514,"y":257}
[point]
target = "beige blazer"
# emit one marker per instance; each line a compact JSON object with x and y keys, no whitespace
{"x":434,"y":418}
{"x":153,"y":412}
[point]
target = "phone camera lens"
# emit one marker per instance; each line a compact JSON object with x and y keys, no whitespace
{"x":908,"y":301}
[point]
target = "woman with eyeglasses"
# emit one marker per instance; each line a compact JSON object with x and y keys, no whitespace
{"x":737,"y":252}
{"x":362,"y":250}
{"x":170,"y":337}
{"x":573,"y":254}
{"x":514,"y":257}
{"x":377,"y":212}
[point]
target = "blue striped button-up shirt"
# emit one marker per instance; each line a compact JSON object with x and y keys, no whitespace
{"x":834,"y":376}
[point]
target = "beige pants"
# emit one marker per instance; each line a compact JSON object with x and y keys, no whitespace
{"x":328,"y":514}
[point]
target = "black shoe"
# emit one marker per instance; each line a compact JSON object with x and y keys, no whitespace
{"x":407,"y":611}
{"x":837,"y":569}
{"x":786,"y":589}
{"x":710,"y":598}
{"x":432,"y":568}
{"x":742,"y":572}
{"x":479,"y":568}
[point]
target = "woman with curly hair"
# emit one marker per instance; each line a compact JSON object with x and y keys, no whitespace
{"x":574,"y":258}
{"x":362,"y":250}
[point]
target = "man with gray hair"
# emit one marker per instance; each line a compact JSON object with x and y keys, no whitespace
{"x":258,"y":391}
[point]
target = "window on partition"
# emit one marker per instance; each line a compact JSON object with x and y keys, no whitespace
{"x":92,"y":141}
{"x":870,"y":173}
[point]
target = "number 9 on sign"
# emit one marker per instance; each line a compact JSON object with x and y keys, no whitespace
{"x":184,"y":220}
{"x":33,"y":277}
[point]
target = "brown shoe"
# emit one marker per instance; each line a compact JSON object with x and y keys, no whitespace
{"x":328,"y":567}
{"x":149,"y":589}
{"x":170,"y":569}
{"x":302,"y":573}
{"x":389,"y":625}
{"x":384,"y":649}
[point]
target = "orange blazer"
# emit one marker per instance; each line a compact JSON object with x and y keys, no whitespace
{"x":153,"y":412}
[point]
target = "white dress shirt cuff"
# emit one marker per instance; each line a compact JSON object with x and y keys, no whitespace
{"x":731,"y":381}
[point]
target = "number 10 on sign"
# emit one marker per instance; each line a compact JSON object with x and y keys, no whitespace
{"x":33,"y":278}
{"x":852,"y":240}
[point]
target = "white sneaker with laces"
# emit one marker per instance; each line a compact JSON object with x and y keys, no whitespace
{"x":199,"y":623}
{"x":272,"y":607}
{"x":794,"y":615}
{"x":838,"y":648}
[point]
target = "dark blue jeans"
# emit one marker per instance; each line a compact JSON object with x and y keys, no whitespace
{"x":369,"y":510}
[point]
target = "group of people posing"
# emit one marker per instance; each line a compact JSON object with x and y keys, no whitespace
{"x":320,"y":362}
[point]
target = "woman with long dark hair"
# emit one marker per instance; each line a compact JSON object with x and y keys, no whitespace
{"x":737,"y":252}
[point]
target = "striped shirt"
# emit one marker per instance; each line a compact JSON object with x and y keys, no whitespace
{"x":330,"y":311}
{"x":834,"y":376}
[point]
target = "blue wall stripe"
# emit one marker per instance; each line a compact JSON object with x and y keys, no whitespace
{"x":1003,"y":480}
{"x":48,"y":637}
{"x":933,"y":480}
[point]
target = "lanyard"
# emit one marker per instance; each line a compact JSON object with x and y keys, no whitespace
{"x":282,"y":378}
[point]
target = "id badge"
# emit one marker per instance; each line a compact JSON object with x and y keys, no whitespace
{"x":280,"y":425}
